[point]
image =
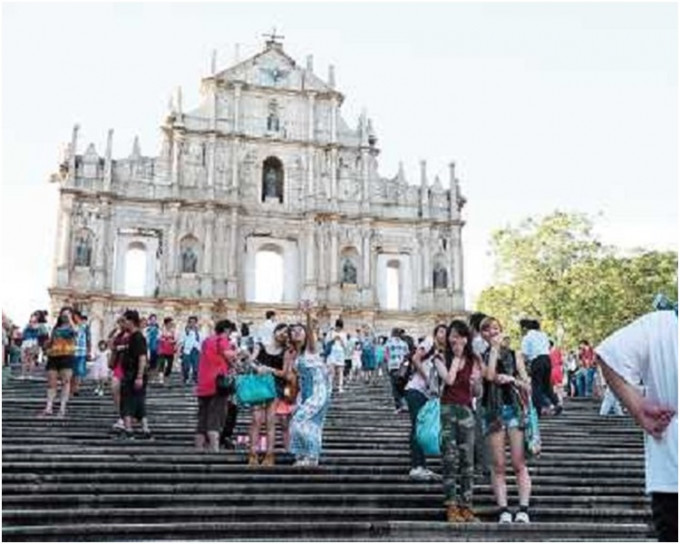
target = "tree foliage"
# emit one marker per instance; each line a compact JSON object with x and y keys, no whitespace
{"x":556,"y":270}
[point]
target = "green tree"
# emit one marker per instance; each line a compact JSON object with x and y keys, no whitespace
{"x":556,"y":270}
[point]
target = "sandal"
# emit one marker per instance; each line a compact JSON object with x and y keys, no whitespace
{"x":45,"y":413}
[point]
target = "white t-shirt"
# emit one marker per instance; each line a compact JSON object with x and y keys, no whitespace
{"x":647,"y":351}
{"x":534,"y":344}
{"x":265,"y":334}
{"x":427,"y":387}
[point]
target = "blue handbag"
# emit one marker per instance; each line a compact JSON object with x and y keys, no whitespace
{"x":255,"y":388}
{"x":428,"y":427}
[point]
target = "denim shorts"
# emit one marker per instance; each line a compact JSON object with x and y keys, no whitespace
{"x":510,"y":419}
{"x":80,"y":366}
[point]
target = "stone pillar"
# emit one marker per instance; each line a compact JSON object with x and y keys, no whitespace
{"x":232,"y":269}
{"x":63,"y":249}
{"x":334,"y":281}
{"x":334,"y":178}
{"x":309,"y":291}
{"x":72,"y":157}
{"x":100,"y":263}
{"x":334,"y":120}
{"x":310,"y":116}
{"x":453,"y":189}
{"x":237,"y":109}
{"x":211,"y":162}
{"x":365,"y":182}
{"x":458,"y":260}
{"x":234,"y":167}
{"x":178,"y":144}
{"x":108,"y":162}
{"x":208,"y":233}
{"x":367,"y":289}
{"x":424,"y":196}
{"x":171,"y":258}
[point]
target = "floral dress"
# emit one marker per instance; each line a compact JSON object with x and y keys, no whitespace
{"x":306,"y":427}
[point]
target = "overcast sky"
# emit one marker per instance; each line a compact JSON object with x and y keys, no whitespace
{"x":541,"y":106}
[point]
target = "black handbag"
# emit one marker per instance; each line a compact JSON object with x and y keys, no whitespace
{"x":225,"y":385}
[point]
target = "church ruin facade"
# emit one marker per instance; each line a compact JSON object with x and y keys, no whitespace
{"x":261,"y":196}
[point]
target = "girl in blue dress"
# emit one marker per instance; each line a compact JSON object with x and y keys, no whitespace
{"x":306,"y":427}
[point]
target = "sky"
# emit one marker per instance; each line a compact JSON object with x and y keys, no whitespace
{"x":542,"y":106}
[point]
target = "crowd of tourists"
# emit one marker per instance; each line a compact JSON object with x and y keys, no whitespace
{"x":468,"y":393}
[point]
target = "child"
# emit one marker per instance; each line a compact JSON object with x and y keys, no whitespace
{"x":100,"y":369}
{"x":356,"y":361}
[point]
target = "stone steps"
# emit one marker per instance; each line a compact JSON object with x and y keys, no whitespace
{"x":73,"y":480}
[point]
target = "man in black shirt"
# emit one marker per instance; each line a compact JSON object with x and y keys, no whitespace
{"x":133,"y":384}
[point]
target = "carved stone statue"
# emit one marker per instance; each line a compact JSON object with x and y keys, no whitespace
{"x":270,"y":183}
{"x":189,"y":260}
{"x":440,"y":277}
{"x":272,"y":122}
{"x":83,"y":251}
{"x":349,"y":272}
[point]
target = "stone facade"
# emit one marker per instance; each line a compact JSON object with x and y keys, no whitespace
{"x":264,"y":163}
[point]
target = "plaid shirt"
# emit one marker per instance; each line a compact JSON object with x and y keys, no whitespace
{"x":82,"y":340}
{"x":397,"y":349}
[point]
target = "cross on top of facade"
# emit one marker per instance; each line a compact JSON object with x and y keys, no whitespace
{"x":272,"y":37}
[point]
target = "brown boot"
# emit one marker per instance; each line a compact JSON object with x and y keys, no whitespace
{"x":252,"y":459}
{"x":468,"y":515}
{"x":268,"y":460}
{"x":453,"y":514}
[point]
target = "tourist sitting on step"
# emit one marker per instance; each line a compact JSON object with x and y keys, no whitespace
{"x":306,"y":427}
{"x":61,"y":350}
{"x":502,"y":415}
{"x":646,"y":351}
{"x":217,"y":355}
{"x":460,"y":371}
{"x":135,"y":377}
{"x":269,"y":359}
{"x":421,"y":387}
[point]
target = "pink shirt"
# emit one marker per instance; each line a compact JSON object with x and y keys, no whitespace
{"x":211,"y":364}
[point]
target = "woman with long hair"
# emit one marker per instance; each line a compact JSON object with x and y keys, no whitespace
{"x":61,"y":356}
{"x":421,"y":387}
{"x":118,"y":344}
{"x":460,"y":370}
{"x":268,"y":359}
{"x":504,"y":379}
{"x":306,"y":427}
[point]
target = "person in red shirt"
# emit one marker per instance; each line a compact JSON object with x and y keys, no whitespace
{"x":167,"y":346}
{"x":557,"y":370}
{"x":217,"y":354}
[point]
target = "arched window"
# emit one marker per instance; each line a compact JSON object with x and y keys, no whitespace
{"x":135,"y":270}
{"x":393,"y":285}
{"x":272,"y":179}
{"x":269,"y":275}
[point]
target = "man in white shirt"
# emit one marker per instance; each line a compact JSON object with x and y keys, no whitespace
{"x":190,"y":342}
{"x":647,"y":351}
{"x":536,"y":351}
{"x":265,"y":333}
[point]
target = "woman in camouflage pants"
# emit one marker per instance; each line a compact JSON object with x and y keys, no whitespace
{"x":461,"y":374}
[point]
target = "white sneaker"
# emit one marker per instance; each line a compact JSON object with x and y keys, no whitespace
{"x":521,"y":517}
{"x":119,"y":425}
{"x":418,"y":473}
{"x":506,"y":517}
{"x":431,"y":475}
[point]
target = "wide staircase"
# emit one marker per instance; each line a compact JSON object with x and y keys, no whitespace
{"x":72,"y":479}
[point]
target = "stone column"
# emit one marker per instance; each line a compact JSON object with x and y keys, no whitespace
{"x":458,"y":260}
{"x":365,"y":182}
{"x":63,"y":249}
{"x":310,"y":116}
{"x":177,"y":147}
{"x":367,"y":289}
{"x":108,"y":162}
{"x":171,"y":254}
{"x":211,"y":162}
{"x":209,"y":233}
{"x":334,"y":178}
{"x":232,"y":269}
{"x":310,"y":261}
{"x":234,"y":167}
{"x":334,"y":120}
{"x":100,"y":265}
{"x":334,"y":281}
{"x":424,"y":196}
{"x":72,"y":158}
{"x":237,"y":109}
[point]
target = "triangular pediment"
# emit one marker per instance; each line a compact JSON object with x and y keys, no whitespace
{"x":274,"y":68}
